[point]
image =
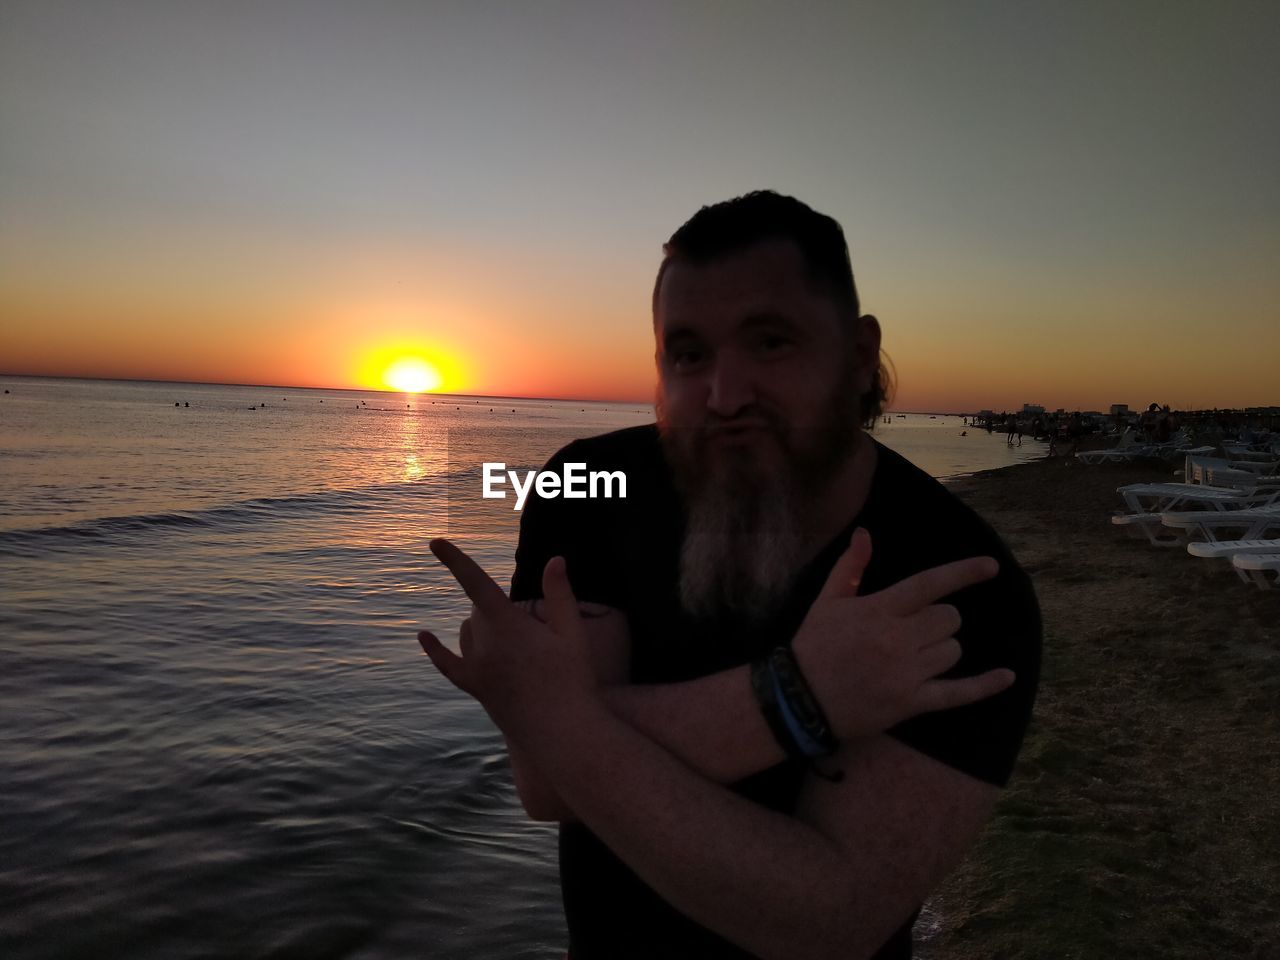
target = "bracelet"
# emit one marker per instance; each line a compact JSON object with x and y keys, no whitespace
{"x":797,"y":699}
{"x":766,"y":692}
{"x":807,"y":746}
{"x":791,"y":711}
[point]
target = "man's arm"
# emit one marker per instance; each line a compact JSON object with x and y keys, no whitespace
{"x":609,"y":650}
{"x":711,"y":724}
{"x":867,"y":682}
{"x":835,"y":881}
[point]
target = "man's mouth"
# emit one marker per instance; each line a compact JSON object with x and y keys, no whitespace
{"x":739,"y":428}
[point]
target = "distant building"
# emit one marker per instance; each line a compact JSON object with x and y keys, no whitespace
{"x":1032,"y":408}
{"x":1119,"y":410}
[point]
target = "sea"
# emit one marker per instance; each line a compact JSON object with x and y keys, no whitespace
{"x":219,"y":737}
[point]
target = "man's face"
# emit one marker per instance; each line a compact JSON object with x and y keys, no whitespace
{"x":756,"y":366}
{"x":759,"y":379}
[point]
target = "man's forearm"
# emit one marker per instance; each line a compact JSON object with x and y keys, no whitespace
{"x":711,"y":724}
{"x":769,"y":882}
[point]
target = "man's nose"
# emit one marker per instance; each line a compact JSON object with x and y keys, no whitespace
{"x":732,"y":387}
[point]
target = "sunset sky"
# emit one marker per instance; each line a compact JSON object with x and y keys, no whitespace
{"x":1072,"y":204}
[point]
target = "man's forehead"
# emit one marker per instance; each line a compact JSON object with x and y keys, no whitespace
{"x":769,"y":277}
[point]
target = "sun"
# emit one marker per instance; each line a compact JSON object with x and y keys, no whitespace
{"x":412,"y":375}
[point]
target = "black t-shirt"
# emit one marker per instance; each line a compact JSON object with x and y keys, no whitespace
{"x":624,"y":553}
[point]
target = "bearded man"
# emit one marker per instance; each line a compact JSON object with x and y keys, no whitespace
{"x":771,"y":696}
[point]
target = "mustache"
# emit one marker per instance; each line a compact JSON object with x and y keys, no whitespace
{"x":749,"y":418}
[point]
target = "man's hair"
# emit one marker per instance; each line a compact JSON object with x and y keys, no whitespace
{"x":732,"y":226}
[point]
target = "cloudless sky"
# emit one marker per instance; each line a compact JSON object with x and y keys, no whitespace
{"x":1074,"y":204}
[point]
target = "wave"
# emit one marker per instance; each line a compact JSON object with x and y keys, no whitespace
{"x":251,"y":511}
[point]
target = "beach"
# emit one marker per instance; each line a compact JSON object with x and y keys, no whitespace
{"x":224,"y":741}
{"x":1142,"y":817}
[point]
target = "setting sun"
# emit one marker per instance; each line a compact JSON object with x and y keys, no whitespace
{"x":409,"y":365}
{"x":412,"y":375}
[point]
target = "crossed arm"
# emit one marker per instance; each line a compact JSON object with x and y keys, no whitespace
{"x":640,"y":766}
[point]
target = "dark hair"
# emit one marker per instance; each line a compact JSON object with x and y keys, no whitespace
{"x":734,"y":225}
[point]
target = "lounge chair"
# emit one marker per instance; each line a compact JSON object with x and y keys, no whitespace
{"x":1254,"y":567}
{"x":1126,"y":449}
{"x":1163,"y":497}
{"x":1150,"y":525}
{"x":1209,"y":524}
{"x":1229,"y":548}
{"x":1216,"y":472}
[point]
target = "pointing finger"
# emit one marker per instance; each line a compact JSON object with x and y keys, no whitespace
{"x":846,"y":575}
{"x":479,"y":586}
{"x":561,"y":605}
{"x":935,"y":583}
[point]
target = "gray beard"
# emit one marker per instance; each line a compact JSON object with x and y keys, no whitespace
{"x":743,"y":545}
{"x":746,"y":535}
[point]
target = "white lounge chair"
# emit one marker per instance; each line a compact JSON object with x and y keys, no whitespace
{"x":1254,"y":567}
{"x":1210,"y":524}
{"x":1163,"y":497}
{"x":1150,"y":525}
{"x":1126,"y":449}
{"x":1229,"y":548}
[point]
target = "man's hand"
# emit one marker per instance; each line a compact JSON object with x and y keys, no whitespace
{"x":517,"y":666}
{"x":873,"y":661}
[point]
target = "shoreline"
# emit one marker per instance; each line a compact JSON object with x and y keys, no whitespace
{"x":1141,"y":818}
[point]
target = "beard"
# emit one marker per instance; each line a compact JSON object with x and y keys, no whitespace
{"x":747,"y":530}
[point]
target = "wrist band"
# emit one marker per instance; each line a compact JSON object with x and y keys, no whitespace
{"x":797,"y":700}
{"x":791,"y":711}
{"x":807,"y":746}
{"x":766,"y":692}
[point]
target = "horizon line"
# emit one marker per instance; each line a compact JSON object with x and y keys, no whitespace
{"x":503,"y":396}
{"x":299,"y":386}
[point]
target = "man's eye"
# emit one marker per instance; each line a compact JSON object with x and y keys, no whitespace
{"x":773,"y":343}
{"x":687,"y":359}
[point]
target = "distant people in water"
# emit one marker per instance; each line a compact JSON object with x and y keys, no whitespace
{"x":1015,"y":430}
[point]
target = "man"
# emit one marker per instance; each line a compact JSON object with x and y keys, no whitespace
{"x":649,"y":670}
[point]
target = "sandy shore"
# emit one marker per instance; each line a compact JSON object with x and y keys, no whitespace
{"x":1144,"y":816}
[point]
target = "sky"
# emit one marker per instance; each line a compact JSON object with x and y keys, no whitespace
{"x":1070,"y":204}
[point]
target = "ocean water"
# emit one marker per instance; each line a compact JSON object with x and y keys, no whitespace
{"x":218,"y":735}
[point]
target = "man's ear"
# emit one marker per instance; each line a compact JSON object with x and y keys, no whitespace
{"x":866,"y":351}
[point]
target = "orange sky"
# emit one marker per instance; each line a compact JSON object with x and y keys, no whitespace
{"x":1056,"y":207}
